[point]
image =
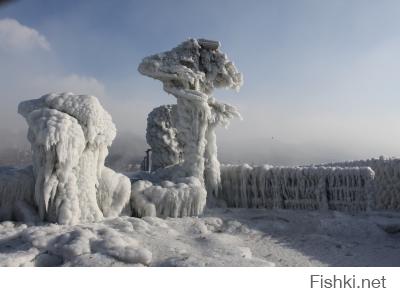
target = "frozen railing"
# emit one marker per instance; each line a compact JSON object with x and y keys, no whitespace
{"x":386,"y":184}
{"x":336,"y":188}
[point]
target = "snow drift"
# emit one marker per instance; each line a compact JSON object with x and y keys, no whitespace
{"x":335,"y":188}
{"x":182,"y":137}
{"x":68,"y":183}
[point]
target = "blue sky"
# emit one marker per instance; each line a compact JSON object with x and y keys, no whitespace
{"x":321,"y":77}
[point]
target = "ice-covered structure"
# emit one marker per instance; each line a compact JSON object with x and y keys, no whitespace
{"x":167,"y":149}
{"x":68,"y":182}
{"x":386,"y":185}
{"x":310,"y":187}
{"x":162,"y":136}
{"x":182,"y":137}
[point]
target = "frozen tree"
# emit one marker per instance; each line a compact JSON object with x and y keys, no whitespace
{"x":190,"y":72}
{"x":70,"y":136}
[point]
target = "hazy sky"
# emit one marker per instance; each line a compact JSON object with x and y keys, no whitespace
{"x":321,"y":77}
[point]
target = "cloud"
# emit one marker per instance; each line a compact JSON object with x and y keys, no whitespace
{"x":12,"y":126}
{"x":69,"y":83}
{"x":27,"y":73}
{"x":15,"y":36}
{"x":29,"y":70}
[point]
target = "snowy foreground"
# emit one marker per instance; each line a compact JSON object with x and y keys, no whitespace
{"x":221,"y":237}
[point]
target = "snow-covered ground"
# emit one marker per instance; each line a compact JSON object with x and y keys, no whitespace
{"x":221,"y":237}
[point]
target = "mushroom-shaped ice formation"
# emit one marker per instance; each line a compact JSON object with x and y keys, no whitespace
{"x":190,"y":72}
{"x":70,"y":136}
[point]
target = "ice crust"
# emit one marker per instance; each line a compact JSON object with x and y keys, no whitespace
{"x":70,"y":135}
{"x":323,"y":188}
{"x":182,"y":136}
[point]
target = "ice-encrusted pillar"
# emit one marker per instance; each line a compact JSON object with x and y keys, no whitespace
{"x":161,"y":136}
{"x":190,"y":72}
{"x":192,"y":125}
{"x":70,"y":135}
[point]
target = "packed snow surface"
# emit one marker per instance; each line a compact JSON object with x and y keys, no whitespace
{"x":221,"y":237}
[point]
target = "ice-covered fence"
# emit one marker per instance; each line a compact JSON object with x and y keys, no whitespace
{"x":311,"y":187}
{"x":17,"y":187}
{"x":386,"y":184}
